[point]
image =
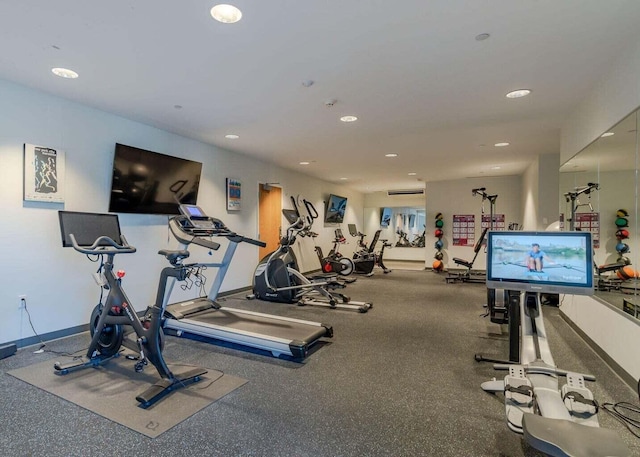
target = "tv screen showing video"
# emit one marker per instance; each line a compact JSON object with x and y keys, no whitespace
{"x":551,"y":262}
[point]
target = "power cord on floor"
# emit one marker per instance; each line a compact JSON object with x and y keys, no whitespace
{"x":42,"y":347}
{"x":625,"y":412}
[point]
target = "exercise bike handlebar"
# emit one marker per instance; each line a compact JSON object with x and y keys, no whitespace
{"x":534,"y":369}
{"x":98,"y":246}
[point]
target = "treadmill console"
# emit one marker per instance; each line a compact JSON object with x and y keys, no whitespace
{"x":196,"y":221}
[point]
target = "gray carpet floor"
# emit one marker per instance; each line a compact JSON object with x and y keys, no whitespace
{"x":398,"y":381}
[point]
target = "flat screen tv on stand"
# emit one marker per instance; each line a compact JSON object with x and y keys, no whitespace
{"x":147,"y":182}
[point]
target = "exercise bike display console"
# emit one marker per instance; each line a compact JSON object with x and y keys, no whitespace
{"x":203,"y":316}
{"x":99,"y":235}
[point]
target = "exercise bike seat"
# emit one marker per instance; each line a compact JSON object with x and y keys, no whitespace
{"x":174,"y":256}
{"x":565,"y":438}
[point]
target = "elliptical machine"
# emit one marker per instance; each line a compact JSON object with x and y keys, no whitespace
{"x":365,"y":258}
{"x":277,"y":277}
{"x":99,"y":235}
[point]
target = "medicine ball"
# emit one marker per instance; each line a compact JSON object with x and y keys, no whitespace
{"x":622,"y":213}
{"x":438,"y":265}
{"x":622,"y":222}
{"x":438,"y":233}
{"x":622,"y":234}
{"x":622,"y":248}
{"x":439,"y":256}
{"x":438,"y":245}
{"x":627,"y":272}
{"x":440,"y":223}
{"x":439,"y":216}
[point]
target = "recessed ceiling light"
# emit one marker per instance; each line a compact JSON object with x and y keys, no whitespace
{"x":606,"y":134}
{"x":482,"y":36}
{"x":305,"y":163}
{"x":343,"y":179}
{"x":412,"y":174}
{"x":177,"y":106}
{"x":232,"y":136}
{"x":64,"y":73}
{"x":391,"y":154}
{"x":501,"y":145}
{"x":518,"y":93}
{"x":348,"y":118}
{"x":227,"y":14}
{"x":495,"y":168}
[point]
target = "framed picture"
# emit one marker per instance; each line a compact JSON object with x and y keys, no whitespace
{"x":43,"y":174}
{"x":234,"y":194}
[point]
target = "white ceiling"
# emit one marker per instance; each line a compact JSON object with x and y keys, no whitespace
{"x":411,"y":70}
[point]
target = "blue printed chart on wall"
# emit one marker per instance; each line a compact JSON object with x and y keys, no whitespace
{"x":234,"y":194}
{"x":43,"y":174}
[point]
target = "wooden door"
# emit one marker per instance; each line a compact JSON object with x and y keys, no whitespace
{"x":270,"y":218}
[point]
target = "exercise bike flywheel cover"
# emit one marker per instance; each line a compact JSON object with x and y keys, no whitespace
{"x":622,"y":213}
{"x":622,"y":222}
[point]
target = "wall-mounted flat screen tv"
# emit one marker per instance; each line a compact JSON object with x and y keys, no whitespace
{"x":385,"y":217}
{"x":334,"y":211}
{"x":147,"y":182}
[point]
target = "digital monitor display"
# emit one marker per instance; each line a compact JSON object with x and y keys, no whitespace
{"x":147,"y":182}
{"x":88,"y":227}
{"x":192,"y":211}
{"x":335,"y":209}
{"x":550,"y":262}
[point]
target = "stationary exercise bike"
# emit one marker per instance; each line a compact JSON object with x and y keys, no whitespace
{"x":365,"y":258}
{"x":99,"y":235}
{"x":334,"y":262}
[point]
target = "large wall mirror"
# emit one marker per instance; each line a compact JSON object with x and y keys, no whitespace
{"x":599,"y":186}
{"x":402,"y":226}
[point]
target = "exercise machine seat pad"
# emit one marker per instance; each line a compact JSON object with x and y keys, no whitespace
{"x":462,"y":262}
{"x":565,"y":438}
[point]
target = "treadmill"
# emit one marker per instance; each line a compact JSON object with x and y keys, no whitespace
{"x":204,"y":317}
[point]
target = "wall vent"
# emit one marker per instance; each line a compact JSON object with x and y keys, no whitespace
{"x":406,"y":192}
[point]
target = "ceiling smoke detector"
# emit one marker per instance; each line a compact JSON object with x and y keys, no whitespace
{"x":329,"y":103}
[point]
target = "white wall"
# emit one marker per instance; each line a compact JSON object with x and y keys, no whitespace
{"x":58,"y":281}
{"x":373,"y":202}
{"x":540,"y":187}
{"x":614,"y":333}
{"x":611,"y":100}
{"x":454,"y":197}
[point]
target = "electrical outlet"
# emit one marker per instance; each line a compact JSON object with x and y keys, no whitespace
{"x":23,"y":301}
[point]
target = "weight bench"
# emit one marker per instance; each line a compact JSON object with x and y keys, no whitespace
{"x":466,"y":276}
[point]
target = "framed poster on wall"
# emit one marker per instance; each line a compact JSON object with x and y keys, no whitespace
{"x":589,"y":222}
{"x":234,"y":194}
{"x":43,"y":174}
{"x":498,"y":221}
